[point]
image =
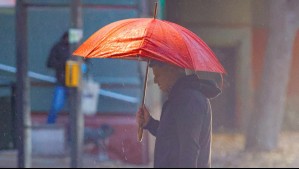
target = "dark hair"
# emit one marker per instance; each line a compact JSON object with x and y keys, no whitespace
{"x":65,"y":35}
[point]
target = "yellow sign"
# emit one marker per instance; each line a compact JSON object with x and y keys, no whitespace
{"x":73,"y":74}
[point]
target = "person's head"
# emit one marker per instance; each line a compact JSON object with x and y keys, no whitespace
{"x":65,"y":37}
{"x":165,"y":75}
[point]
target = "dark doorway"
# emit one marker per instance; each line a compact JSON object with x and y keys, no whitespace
{"x":224,"y":114}
{"x":7,"y":120}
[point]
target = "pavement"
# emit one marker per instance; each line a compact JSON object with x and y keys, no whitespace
{"x":8,"y":159}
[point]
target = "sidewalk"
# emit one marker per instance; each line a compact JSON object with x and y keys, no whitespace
{"x":8,"y":159}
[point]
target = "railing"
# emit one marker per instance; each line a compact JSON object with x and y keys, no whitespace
{"x":52,"y":80}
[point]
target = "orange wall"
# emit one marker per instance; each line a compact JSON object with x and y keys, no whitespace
{"x":294,"y":76}
{"x":259,"y":42}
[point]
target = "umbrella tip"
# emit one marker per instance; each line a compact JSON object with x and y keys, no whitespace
{"x":155,"y":10}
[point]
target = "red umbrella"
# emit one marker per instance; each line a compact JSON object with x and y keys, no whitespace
{"x":151,"y":38}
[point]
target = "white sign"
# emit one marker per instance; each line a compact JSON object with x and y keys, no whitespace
{"x":90,"y":90}
{"x":75,"y":35}
{"x":7,"y":3}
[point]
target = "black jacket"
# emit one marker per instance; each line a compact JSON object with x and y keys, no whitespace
{"x":59,"y":54}
{"x":183,"y":134}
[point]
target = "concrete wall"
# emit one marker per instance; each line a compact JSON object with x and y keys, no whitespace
{"x":242,"y":25}
{"x":222,"y":24}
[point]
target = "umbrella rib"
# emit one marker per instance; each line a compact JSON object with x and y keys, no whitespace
{"x":210,"y":53}
{"x":108,"y":35}
{"x":179,"y":33}
{"x":220,"y":67}
{"x":144,"y":34}
{"x":194,"y":36}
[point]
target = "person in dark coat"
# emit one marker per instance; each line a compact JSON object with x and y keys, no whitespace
{"x":58,"y":56}
{"x":57,"y":59}
{"x":183,"y":134}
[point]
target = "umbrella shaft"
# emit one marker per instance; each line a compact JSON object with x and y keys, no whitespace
{"x":145,"y":84}
{"x":140,"y":128}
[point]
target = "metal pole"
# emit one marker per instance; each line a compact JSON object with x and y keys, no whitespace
{"x":22,"y":89}
{"x":13,"y":114}
{"x":76,"y":117}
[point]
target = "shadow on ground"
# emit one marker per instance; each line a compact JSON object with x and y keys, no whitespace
{"x":227,"y":152}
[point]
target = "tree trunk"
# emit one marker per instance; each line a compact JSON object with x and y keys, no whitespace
{"x":266,"y":120}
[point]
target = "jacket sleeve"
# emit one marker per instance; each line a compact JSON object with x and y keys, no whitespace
{"x":152,"y":126}
{"x":52,"y":59}
{"x":189,"y":110}
{"x":56,"y":59}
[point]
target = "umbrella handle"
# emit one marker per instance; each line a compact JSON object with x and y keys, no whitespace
{"x":140,"y":133}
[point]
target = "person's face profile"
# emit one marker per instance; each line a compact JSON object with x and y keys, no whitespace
{"x":163,"y":76}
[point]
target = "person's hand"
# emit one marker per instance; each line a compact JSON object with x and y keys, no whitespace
{"x":142,"y":116}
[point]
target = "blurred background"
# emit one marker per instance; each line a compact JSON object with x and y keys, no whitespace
{"x":255,"y":119}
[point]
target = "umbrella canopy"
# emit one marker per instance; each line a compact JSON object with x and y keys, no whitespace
{"x":150,"y":38}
